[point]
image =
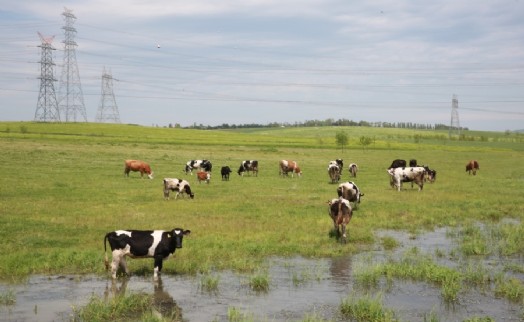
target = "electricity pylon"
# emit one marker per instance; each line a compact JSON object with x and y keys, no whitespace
{"x":107,"y":110}
{"x":71,"y":99}
{"x":47,"y":106}
{"x":454,"y":125}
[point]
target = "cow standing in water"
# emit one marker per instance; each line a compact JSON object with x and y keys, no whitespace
{"x":137,"y":165}
{"x":472,"y":166}
{"x":157,"y":244}
{"x":287,"y":166}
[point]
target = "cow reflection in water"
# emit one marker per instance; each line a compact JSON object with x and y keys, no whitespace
{"x":340,"y":269}
{"x":164,"y":306}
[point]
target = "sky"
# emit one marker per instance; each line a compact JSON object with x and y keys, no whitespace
{"x":262,"y":61}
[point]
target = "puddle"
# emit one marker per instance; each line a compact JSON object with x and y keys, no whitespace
{"x":298,"y":287}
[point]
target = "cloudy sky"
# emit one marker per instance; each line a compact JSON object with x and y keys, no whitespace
{"x":259,"y":61}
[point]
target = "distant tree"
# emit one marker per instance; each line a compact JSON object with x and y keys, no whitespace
{"x":342,"y":139}
{"x":365,"y":141}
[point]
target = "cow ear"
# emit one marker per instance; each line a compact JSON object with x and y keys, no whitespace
{"x":187,"y":232}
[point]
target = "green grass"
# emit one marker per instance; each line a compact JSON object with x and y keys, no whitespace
{"x":63,"y":188}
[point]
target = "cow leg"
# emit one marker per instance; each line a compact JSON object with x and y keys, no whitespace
{"x":344,"y":237}
{"x":115,"y":263}
{"x":123,"y":264}
{"x":158,"y":267}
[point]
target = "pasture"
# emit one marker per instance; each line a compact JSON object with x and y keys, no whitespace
{"x":63,"y":188}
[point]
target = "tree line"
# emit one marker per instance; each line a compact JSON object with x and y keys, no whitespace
{"x":326,"y":122}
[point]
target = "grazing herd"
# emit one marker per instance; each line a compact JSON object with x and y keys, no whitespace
{"x":159,"y":244}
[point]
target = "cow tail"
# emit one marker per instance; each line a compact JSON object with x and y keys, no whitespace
{"x":106,"y":260}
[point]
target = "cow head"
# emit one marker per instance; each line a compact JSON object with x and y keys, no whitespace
{"x":187,"y":189}
{"x":177,"y":235}
{"x":150,"y":175}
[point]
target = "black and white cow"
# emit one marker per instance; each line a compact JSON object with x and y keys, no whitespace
{"x":340,"y":212}
{"x":334,"y":173}
{"x":204,"y":165}
{"x":180,"y":186}
{"x":157,"y":244}
{"x":225,"y":171}
{"x":350,"y":191}
{"x":353,"y":169}
{"x":247,"y":166}
{"x":337,"y":162}
{"x":409,"y":174}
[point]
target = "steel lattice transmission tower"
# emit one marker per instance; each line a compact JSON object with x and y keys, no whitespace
{"x":107,"y":110}
{"x":71,"y":99}
{"x":47,"y":106}
{"x":454,"y":125}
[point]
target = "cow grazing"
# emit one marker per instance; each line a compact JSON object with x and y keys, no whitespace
{"x":203,"y":165}
{"x":248,"y":166}
{"x":350,"y":191}
{"x":180,"y":186}
{"x":413,"y":163}
{"x":334,"y":173}
{"x":157,"y":244}
{"x":431,"y":175}
{"x":397,"y":163}
{"x":353,"y":168}
{"x":225,"y":171}
{"x":203,"y":176}
{"x":137,"y":165}
{"x":287,"y":166}
{"x":409,"y":174}
{"x":340,"y":211}
{"x":472,"y":166}
{"x":337,"y":162}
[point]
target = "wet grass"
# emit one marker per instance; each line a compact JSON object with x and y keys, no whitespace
{"x":132,"y":307}
{"x":7,"y":297}
{"x":366,"y":308}
{"x":209,"y":283}
{"x":259,"y":282}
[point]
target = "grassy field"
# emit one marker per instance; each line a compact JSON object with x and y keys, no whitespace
{"x":63,"y":188}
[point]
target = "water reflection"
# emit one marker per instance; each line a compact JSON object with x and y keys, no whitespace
{"x":164,"y":305}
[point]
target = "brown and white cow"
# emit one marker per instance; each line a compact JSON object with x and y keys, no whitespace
{"x":353,"y":168}
{"x":409,"y":174}
{"x":472,"y":166}
{"x":334,"y":173}
{"x":340,"y":212}
{"x":137,"y":165}
{"x":287,"y":166}
{"x":157,"y":244}
{"x":180,"y":186}
{"x":350,"y":191}
{"x":203,"y":176}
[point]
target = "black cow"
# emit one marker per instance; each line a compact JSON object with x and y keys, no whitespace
{"x":225,"y":171}
{"x":398,"y":163}
{"x":248,"y":165}
{"x":157,"y":244}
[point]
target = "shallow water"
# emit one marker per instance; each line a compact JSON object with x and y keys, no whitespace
{"x":298,"y":286}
